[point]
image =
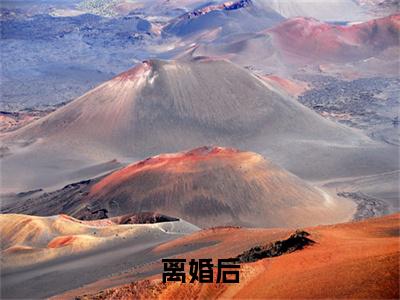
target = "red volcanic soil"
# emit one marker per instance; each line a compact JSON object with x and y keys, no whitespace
{"x":212,"y":186}
{"x":315,"y":40}
{"x":291,"y":87}
{"x":18,"y":249}
{"x":168,"y":162}
{"x":61,"y":241}
{"x":136,"y":72}
{"x":351,"y":260}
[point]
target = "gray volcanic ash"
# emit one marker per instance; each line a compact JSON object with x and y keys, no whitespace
{"x":161,"y":106}
{"x":207,"y":186}
{"x":227,"y":18}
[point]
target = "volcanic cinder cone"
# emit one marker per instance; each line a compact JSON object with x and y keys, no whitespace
{"x":307,"y":40}
{"x":160,"y":107}
{"x":208,"y":186}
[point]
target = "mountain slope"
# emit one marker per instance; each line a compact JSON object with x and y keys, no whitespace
{"x":214,"y":187}
{"x":332,"y":10}
{"x":354,"y":260}
{"x":161,"y":106}
{"x":78,"y":252}
{"x":370,"y":47}
{"x":26,"y":240}
{"x":227,"y":18}
{"x":250,"y":190}
{"x":309,"y":40}
{"x":208,"y":186}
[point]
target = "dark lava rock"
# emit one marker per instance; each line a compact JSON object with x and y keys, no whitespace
{"x":296,"y":241}
{"x":143,"y":218}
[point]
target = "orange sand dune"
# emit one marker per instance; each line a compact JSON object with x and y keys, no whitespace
{"x":351,"y":260}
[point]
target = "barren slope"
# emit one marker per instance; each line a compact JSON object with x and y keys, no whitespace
{"x":214,"y":187}
{"x":332,"y":10}
{"x":208,"y":186}
{"x":29,"y":240}
{"x":352,"y":260}
{"x":366,"y":48}
{"x":305,"y":40}
{"x":224,"y":19}
{"x":161,"y":106}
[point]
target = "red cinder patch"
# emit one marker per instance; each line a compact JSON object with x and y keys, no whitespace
{"x":135,"y":72}
{"x":164,"y":160}
{"x":61,"y":241}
